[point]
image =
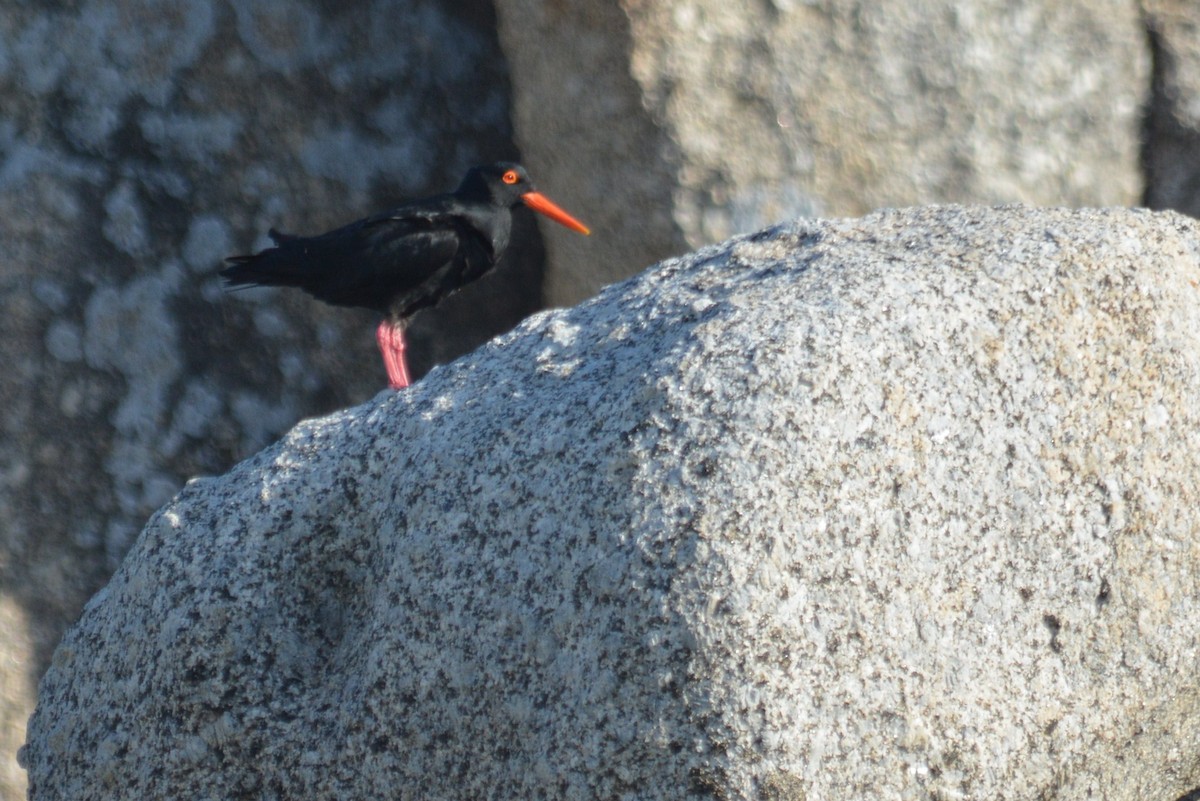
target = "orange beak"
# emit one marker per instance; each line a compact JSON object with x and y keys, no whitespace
{"x":543,"y":205}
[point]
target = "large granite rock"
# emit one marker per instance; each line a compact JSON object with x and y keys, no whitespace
{"x":692,"y":120}
{"x":140,"y":142}
{"x":899,"y":507}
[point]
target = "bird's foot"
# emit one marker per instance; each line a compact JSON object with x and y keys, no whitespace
{"x":390,"y":337}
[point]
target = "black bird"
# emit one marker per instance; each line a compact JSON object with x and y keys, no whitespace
{"x":400,"y":261}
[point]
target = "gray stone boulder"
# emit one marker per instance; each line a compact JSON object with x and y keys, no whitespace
{"x":687,"y":121}
{"x":897,"y":507}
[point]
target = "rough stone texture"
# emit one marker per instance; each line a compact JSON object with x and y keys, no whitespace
{"x":140,"y":142}
{"x":902,"y":507}
{"x":726,"y":117}
{"x":16,"y":693}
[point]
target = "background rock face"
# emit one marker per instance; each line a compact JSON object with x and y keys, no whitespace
{"x":899,"y":507}
{"x":729,"y":116}
{"x":1173,"y":114}
{"x":140,"y":143}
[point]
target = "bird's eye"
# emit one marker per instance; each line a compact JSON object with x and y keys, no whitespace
{"x":510,"y":177}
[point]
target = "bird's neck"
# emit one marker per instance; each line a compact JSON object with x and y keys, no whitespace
{"x":495,"y":226}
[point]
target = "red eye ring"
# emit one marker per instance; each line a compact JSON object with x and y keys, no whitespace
{"x":510,"y":177}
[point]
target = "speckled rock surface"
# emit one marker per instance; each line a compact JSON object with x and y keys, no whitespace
{"x":902,"y":507}
{"x":724,"y":117}
{"x":140,"y":142}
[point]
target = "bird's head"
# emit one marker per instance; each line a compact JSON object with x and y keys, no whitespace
{"x":507,"y":184}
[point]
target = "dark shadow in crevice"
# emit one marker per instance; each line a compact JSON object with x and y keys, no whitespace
{"x":1170,"y":171}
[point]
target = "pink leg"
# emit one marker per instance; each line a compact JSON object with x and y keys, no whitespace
{"x":390,"y":337}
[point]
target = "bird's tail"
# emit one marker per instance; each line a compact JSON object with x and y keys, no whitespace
{"x":281,"y":265}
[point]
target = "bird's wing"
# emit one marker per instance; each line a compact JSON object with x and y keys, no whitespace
{"x":395,"y":262}
{"x":371,"y":261}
